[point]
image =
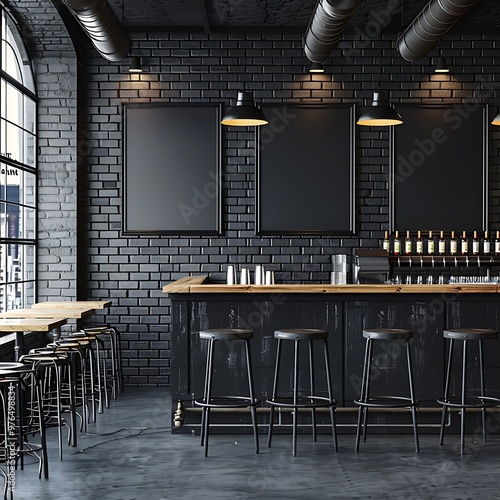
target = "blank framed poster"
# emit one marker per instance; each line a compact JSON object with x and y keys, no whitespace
{"x":305,"y":169}
{"x":439,"y":168}
{"x":171,"y":169}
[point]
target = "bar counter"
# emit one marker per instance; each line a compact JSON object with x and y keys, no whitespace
{"x":343,"y":310}
{"x":200,"y":284}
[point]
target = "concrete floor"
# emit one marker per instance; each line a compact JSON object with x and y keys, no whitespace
{"x":130,"y":453}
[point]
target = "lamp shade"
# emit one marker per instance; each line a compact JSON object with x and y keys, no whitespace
{"x":135,"y":65}
{"x":441,"y":66}
{"x":245,"y":113}
{"x":316,"y":68}
{"x":380,"y":114}
{"x":496,"y":120}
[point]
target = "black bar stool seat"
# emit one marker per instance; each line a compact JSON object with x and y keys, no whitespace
{"x":296,"y":401}
{"x":209,"y":400}
{"x":470,"y":334}
{"x":366,"y":400}
{"x":466,"y":400}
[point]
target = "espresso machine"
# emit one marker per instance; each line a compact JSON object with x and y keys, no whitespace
{"x":371,"y":265}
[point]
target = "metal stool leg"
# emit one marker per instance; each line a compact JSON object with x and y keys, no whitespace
{"x":207,"y":395}
{"x":412,"y":396}
{"x":367,"y":389}
{"x":481,"y":376}
{"x":311,"y":383}
{"x":446,"y":391}
{"x":462,"y":420}
{"x":252,"y":397}
{"x":274,"y":393}
{"x":362,"y":397}
{"x":43,"y":438}
{"x":330,"y":393}
{"x":295,"y":395}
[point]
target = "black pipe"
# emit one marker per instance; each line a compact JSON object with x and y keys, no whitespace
{"x":328,"y":21}
{"x":435,"y":19}
{"x":102,"y":26}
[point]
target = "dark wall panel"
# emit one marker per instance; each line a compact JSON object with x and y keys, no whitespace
{"x":305,"y":170}
{"x":440,"y":168}
{"x":172,"y":165}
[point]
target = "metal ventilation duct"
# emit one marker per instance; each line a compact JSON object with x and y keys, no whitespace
{"x":328,"y":21}
{"x":435,"y":19}
{"x":102,"y":26}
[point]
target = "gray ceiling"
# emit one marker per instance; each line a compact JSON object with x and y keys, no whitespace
{"x":214,"y":15}
{"x":44,"y":32}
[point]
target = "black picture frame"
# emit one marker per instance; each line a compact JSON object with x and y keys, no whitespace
{"x":306,"y":169}
{"x":172,"y":169}
{"x":439,"y":168}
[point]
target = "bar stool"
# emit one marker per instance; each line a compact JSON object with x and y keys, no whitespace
{"x":49,"y":366}
{"x":115,"y":376}
{"x":90,"y":363}
{"x":465,"y":400}
{"x":77,"y":353}
{"x":95,"y":369}
{"x":365,"y":401}
{"x":21,"y":415}
{"x":296,"y":401}
{"x":210,"y":401}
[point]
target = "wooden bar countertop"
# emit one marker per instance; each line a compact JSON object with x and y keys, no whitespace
{"x":196,"y":284}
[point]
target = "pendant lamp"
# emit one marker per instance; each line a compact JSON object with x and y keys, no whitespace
{"x":316,"y":68}
{"x":245,"y":113}
{"x":441,"y":66}
{"x":380,"y":113}
{"x":135,"y":65}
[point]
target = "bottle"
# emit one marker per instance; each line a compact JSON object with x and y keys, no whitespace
{"x":475,"y":244}
{"x":486,"y":244}
{"x":441,"y":244}
{"x":464,"y":244}
{"x":396,"y":244}
{"x":453,"y":244}
{"x":386,"y":244}
{"x":430,"y":244}
{"x":420,"y":244}
{"x":497,"y":243}
{"x":408,"y":243}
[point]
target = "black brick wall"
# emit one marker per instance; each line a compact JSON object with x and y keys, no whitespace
{"x":131,"y":271}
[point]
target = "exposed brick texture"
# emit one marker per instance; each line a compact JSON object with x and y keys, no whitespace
{"x":57,"y":179}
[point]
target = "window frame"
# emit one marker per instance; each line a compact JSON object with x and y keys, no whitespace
{"x":29,"y":276}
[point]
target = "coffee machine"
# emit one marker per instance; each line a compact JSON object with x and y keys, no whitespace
{"x":371,"y":265}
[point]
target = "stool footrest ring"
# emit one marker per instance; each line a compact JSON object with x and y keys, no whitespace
{"x":227,"y":402}
{"x":470,"y":402}
{"x":302,"y":402}
{"x":387,"y":402}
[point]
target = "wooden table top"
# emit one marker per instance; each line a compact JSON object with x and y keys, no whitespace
{"x":30,"y":324}
{"x":73,"y":304}
{"x":43,"y":312}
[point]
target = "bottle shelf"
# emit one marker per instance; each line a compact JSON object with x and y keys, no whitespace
{"x":444,"y":260}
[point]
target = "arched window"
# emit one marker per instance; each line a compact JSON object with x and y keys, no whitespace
{"x":18,"y":172}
